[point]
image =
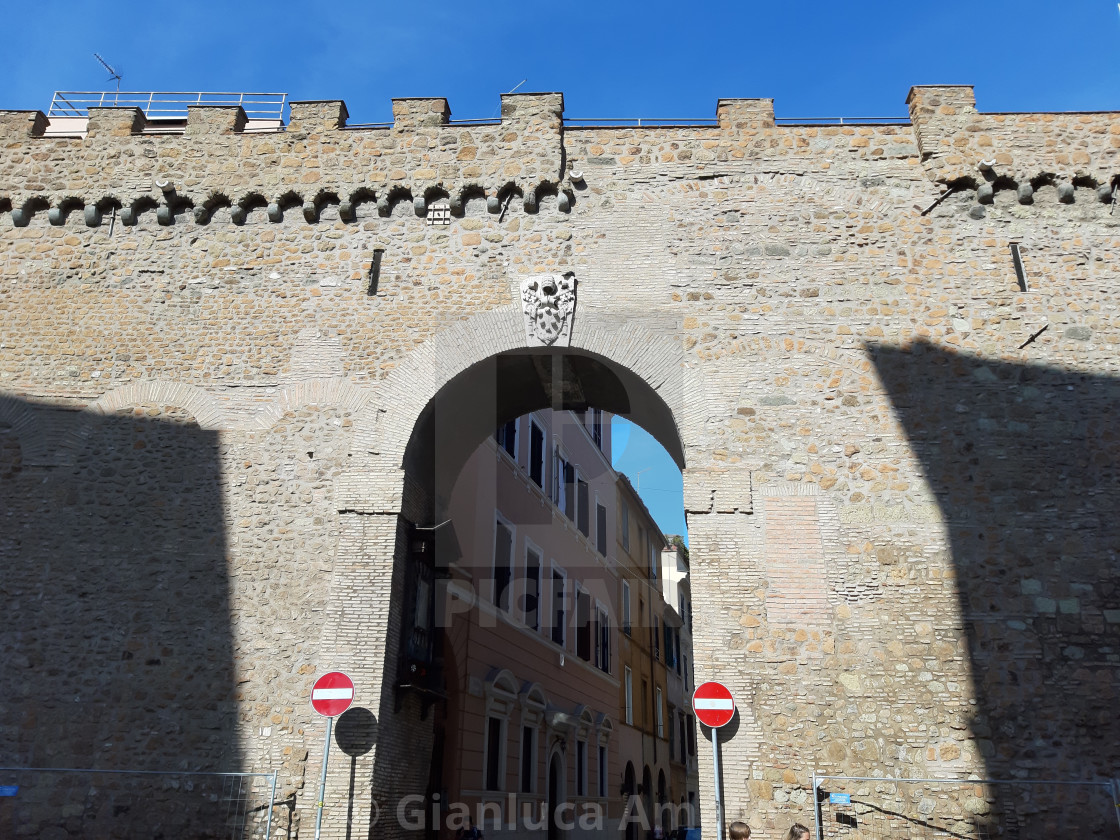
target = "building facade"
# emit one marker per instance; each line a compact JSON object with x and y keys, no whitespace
{"x":543,"y":623}
{"x":530,"y":633}
{"x":657,"y":735}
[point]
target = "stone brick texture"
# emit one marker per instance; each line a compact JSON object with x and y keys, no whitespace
{"x":208,"y":391}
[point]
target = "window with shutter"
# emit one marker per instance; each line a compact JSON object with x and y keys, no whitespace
{"x":503,"y":555}
{"x":536,"y":454}
{"x":583,"y":625}
{"x":583,"y":518}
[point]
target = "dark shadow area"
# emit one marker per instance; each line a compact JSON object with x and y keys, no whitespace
{"x":114,"y":625}
{"x":472,"y":405}
{"x":355,"y":733}
{"x":1023,"y":460}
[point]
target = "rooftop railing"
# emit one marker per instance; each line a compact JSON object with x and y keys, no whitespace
{"x":159,"y":105}
{"x":268,"y":111}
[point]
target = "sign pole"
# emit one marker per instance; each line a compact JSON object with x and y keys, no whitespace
{"x":323,"y":779}
{"x":331,"y":695}
{"x":719,"y":804}
{"x":715,"y":708}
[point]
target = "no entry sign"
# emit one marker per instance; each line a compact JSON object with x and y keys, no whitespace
{"x":332,"y":694}
{"x":713,"y":704}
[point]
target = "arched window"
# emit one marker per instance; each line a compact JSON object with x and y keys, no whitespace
{"x":500,"y":694}
{"x":533,"y":704}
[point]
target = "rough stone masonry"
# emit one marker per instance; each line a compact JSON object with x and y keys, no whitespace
{"x":889,"y":353}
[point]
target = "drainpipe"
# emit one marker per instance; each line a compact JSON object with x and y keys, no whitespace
{"x":652,"y":672}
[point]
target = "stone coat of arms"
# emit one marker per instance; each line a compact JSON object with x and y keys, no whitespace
{"x":549,"y":302}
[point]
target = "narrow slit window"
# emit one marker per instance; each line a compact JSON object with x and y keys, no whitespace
{"x":1017,"y":259}
{"x":375,"y":271}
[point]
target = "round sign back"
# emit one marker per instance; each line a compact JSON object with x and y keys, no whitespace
{"x":713,"y":704}
{"x":332,"y":694}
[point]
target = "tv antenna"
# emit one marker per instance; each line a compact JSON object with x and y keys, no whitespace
{"x":638,"y":479}
{"x":113,"y":74}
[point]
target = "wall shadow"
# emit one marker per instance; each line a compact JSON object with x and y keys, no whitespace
{"x":114,"y":621}
{"x":1023,"y":460}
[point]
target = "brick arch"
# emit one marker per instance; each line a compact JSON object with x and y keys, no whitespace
{"x":209,"y":414}
{"x":383,"y":428}
{"x":201,"y":405}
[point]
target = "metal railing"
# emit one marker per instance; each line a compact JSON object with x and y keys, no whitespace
{"x":842,"y":120}
{"x":636,"y":122}
{"x":855,"y":808}
{"x":136,"y":803}
{"x":653,"y":122}
{"x":450,"y":123}
{"x":159,"y":105}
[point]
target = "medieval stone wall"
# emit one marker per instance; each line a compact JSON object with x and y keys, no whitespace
{"x":899,"y":506}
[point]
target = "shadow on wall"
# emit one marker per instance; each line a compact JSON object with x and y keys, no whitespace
{"x":1023,"y":461}
{"x":114,"y":620}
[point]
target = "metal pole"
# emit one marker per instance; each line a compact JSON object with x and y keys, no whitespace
{"x":323,"y":780}
{"x":1116,"y":798}
{"x":719,"y":805}
{"x":271,"y":804}
{"x":818,"y":828}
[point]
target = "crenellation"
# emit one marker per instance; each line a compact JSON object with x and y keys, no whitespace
{"x":108,"y":124}
{"x":420,"y":113}
{"x":205,"y":121}
{"x":318,"y":117}
{"x":745,"y":115}
{"x":960,"y":144}
{"x":426,"y":155}
{"x":544,"y":111}
{"x":16,"y":126}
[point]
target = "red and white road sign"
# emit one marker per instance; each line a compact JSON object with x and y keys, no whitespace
{"x":713,"y":704}
{"x":332,"y":694}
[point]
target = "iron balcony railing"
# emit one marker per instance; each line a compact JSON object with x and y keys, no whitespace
{"x":160,"y":105}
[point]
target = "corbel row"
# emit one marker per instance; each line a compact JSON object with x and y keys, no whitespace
{"x":1025,"y":189}
{"x":310,"y":207}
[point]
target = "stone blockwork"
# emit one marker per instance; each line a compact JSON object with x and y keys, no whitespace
{"x":209,"y":386}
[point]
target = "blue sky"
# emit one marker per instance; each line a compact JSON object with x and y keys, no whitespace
{"x":652,"y":472}
{"x":610,"y":59}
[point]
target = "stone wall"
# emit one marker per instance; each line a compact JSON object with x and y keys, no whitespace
{"x":830,"y":313}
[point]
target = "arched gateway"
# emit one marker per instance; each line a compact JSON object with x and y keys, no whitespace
{"x":242,"y":368}
{"x":452,"y":392}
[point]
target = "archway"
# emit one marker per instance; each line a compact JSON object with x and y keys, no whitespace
{"x":630,"y":792}
{"x":409,"y":449}
{"x":662,"y":816}
{"x":647,"y":798}
{"x":508,"y":385}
